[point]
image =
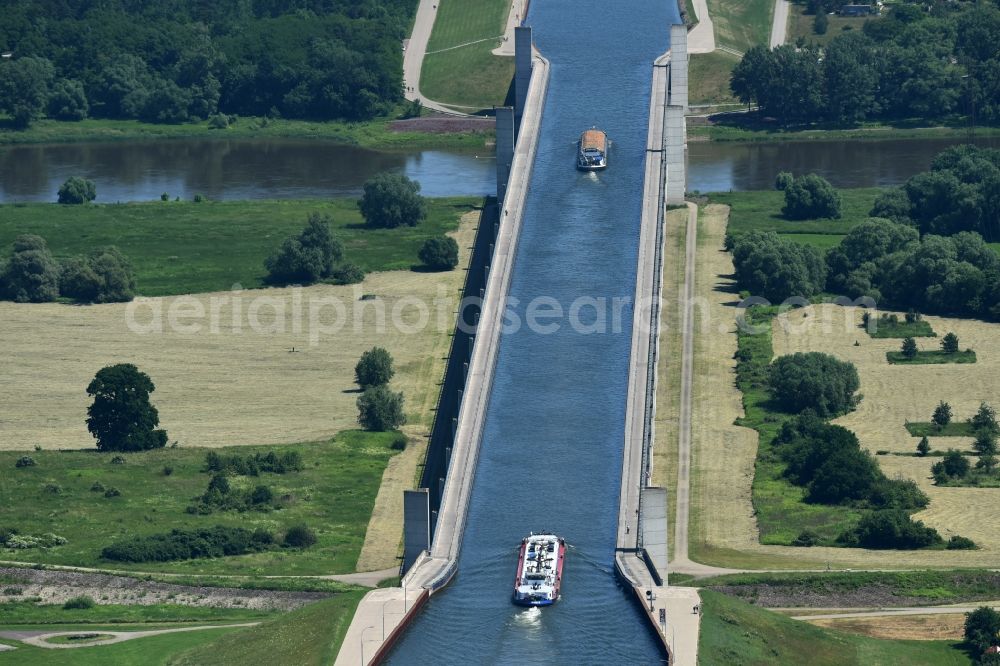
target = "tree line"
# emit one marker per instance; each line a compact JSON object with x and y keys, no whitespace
{"x":185,"y":59}
{"x":915,"y":63}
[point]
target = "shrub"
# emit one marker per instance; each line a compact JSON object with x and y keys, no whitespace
{"x":953,"y":466}
{"x":105,"y":276}
{"x":164,"y":197}
{"x":985,"y":443}
{"x":97,"y":487}
{"x":890,"y":529}
{"x":985,"y":418}
{"x":806,"y":539}
{"x":439,"y":253}
{"x":217,"y":541}
{"x":118,"y":460}
{"x":809,"y":197}
{"x":25,"y":461}
{"x":949,"y":344}
{"x":961,"y":543}
{"x":30,"y":275}
{"x":982,"y":627}
{"x":380,"y":409}
{"x":67,"y":100}
{"x":816,"y":381}
{"x":81,"y":602}
{"x":374,"y":368}
{"x":253,"y":465}
{"x":923,"y":447}
{"x":167,"y":470}
{"x":783,"y":180}
{"x":820,"y":23}
{"x":909,"y":348}
{"x":299,"y":536}
{"x":77,"y":190}
{"x":200,"y":198}
{"x":53,"y":488}
{"x":942,"y":414}
{"x":392,"y":200}
{"x":218,"y":121}
{"x":112,"y":492}
{"x":308,"y":257}
{"x":348,"y":273}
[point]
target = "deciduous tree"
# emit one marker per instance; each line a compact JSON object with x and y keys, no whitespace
{"x":121,"y":418}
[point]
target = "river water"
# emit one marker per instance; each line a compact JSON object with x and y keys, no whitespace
{"x":552,"y":443}
{"x":291,"y":169}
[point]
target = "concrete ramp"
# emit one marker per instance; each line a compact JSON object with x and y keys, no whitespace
{"x":654,"y":527}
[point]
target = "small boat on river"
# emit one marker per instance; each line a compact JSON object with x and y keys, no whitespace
{"x":539,"y":570}
{"x":592,"y":154}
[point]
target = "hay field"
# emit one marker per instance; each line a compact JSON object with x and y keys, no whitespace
{"x":939,"y":627}
{"x":723,"y":529}
{"x":228,"y":384}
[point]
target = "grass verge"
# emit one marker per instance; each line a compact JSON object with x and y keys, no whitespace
{"x":459,"y":67}
{"x":309,"y":636}
{"x":333,"y":494}
{"x":375,"y":134}
{"x":186,"y":247}
{"x":935,"y":357}
{"x":734,"y":632}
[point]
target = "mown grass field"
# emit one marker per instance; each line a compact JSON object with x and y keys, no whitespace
{"x":734,"y":632}
{"x":469,"y":75}
{"x":708,"y":78}
{"x":333,"y":494}
{"x":28,"y":613}
{"x":369,"y":134}
{"x":186,"y":247}
{"x":310,"y":636}
{"x":740,"y":24}
{"x":149,"y":651}
{"x":761,"y":211}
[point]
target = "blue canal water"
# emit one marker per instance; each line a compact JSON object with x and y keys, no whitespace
{"x":552,"y":446}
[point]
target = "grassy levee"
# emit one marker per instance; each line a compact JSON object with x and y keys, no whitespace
{"x":375,"y":134}
{"x":734,"y":632}
{"x":909,"y":588}
{"x":186,"y":247}
{"x":668,"y":393}
{"x":333,"y":494}
{"x":149,"y":651}
{"x":459,"y":67}
{"x":310,"y":636}
{"x":761,"y":211}
{"x":30,"y":613}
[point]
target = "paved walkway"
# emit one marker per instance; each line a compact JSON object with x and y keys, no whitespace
{"x":518,"y":12}
{"x":779,"y":27}
{"x":41,"y":639}
{"x":413,"y":57}
{"x":701,"y":38}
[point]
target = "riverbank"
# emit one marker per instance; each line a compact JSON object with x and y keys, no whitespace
{"x":380,"y":133}
{"x":707,"y":131}
{"x":181,"y":247}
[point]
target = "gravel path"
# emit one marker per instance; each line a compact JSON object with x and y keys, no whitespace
{"x":41,"y":639}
